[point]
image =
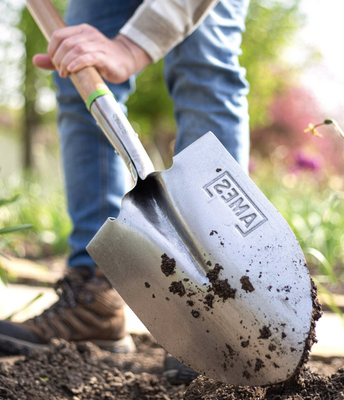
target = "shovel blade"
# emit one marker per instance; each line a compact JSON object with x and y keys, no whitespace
{"x":237,"y":303}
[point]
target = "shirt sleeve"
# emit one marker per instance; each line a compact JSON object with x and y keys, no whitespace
{"x":159,"y":25}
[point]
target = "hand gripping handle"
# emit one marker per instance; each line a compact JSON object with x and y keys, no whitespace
{"x":98,"y":98}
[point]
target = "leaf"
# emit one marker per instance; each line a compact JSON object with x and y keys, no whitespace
{"x":3,"y":275}
{"x":330,"y":300}
{"x":24,"y":307}
{"x":323,"y":261}
{"x":11,"y":229}
{"x":4,"y":255}
{"x":8,"y":201}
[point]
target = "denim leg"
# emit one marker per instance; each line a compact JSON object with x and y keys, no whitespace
{"x":96,"y":178}
{"x":207,"y":84}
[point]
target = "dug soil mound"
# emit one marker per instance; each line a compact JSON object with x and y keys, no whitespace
{"x":308,"y":385}
{"x":69,"y":371}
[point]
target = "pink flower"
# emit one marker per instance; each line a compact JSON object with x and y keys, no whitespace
{"x":305,"y":162}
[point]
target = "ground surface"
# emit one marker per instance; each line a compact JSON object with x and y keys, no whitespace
{"x":68,"y":371}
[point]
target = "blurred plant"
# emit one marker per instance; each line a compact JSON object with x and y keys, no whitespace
{"x":290,"y":113}
{"x":326,"y":297}
{"x":5,"y":231}
{"x":313,"y":210}
{"x":312,"y":128}
{"x":270,"y":28}
{"x":43,"y":204}
{"x":24,"y":307}
{"x":333,"y":201}
{"x":305,"y":162}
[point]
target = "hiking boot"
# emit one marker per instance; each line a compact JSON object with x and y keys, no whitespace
{"x":177,"y":373}
{"x":88,"y":309}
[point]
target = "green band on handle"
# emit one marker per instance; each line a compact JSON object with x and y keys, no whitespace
{"x":94,"y":95}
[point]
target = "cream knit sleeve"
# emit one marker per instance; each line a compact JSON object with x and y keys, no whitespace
{"x":159,"y":25}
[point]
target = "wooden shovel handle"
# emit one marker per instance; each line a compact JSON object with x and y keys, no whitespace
{"x":87,"y":80}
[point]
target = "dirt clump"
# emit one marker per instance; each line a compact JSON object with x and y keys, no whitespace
{"x":246,"y":284}
{"x":209,"y":300}
{"x":168,"y":265}
{"x":177,"y":288}
{"x":265,"y":332}
{"x":220,"y":287}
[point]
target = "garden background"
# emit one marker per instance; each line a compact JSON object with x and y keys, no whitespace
{"x":292,"y":55}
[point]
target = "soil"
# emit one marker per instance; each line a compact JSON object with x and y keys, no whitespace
{"x":246,"y":284}
{"x":177,"y":288}
{"x":310,"y":386}
{"x":69,"y":371}
{"x":168,"y":265}
{"x":220,"y":287}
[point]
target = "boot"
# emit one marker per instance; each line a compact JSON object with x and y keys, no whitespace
{"x":88,"y":309}
{"x":177,"y":373}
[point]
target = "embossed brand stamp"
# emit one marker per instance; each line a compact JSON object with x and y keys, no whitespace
{"x":247,"y":215}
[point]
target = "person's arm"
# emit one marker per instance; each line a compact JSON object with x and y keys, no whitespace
{"x":157,"y":26}
{"x":154,"y":29}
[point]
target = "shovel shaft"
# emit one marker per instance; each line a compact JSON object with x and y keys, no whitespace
{"x":103,"y":106}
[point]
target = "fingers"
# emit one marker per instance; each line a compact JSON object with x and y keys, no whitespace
{"x":84,"y":60}
{"x":82,"y":54}
{"x":69,"y":44}
{"x":61,"y":34}
{"x":43,"y":61}
{"x":74,"y":48}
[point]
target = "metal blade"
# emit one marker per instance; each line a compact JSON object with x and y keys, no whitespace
{"x":238,"y":306}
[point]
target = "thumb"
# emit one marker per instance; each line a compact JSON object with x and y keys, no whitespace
{"x":43,"y":61}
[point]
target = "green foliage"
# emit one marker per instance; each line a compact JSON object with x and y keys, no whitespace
{"x":314,"y":211}
{"x":11,"y":229}
{"x":11,"y":53}
{"x":43,"y":205}
{"x":270,"y":28}
{"x":150,"y":106}
{"x":8,"y":230}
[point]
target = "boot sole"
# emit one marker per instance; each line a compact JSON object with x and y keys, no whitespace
{"x":21,"y":347}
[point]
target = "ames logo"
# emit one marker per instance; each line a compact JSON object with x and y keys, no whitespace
{"x":247,"y":215}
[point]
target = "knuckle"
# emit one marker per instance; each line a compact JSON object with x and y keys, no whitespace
{"x":57,"y":34}
{"x":86,"y":27}
{"x":68,"y":43}
{"x":80,"y":48}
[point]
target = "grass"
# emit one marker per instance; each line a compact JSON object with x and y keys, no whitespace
{"x":41,"y":204}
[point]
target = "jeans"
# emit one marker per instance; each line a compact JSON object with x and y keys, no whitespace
{"x":207,"y":86}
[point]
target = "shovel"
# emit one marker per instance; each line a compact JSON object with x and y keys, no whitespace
{"x":198,"y":252}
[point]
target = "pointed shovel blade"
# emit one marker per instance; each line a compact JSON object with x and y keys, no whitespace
{"x":211,"y":268}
